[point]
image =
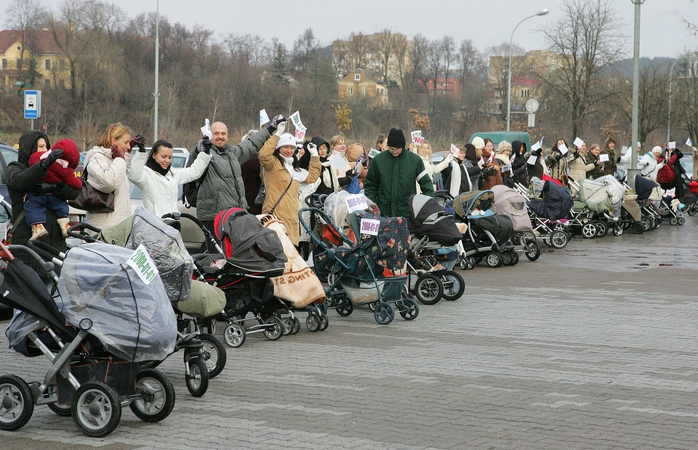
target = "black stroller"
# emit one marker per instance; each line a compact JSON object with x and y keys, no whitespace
{"x":109,"y":319}
{"x":549,"y":215}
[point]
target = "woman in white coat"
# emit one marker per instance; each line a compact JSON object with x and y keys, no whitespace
{"x":648,"y":165}
{"x":158,"y":181}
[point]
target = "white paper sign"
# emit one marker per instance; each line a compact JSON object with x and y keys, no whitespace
{"x":263,"y":117}
{"x":689,"y":143}
{"x":578,"y":142}
{"x":300,"y":133}
{"x":532,"y":160}
{"x":455,"y":151}
{"x":143,"y":264}
{"x":370,"y":226}
{"x":481,"y":162}
{"x":536,"y":146}
{"x":563,"y":148}
{"x":373,"y":153}
{"x":603,"y":158}
{"x":206,"y":130}
{"x":340,"y":164}
{"x":296,"y":119}
{"x":624,"y":150}
{"x":356,"y":203}
{"x":416,"y":134}
{"x":672,"y":144}
{"x":418,"y":140}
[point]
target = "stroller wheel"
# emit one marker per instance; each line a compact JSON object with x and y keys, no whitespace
{"x":384,"y":313}
{"x":589,"y":230}
{"x":471,"y":263}
{"x":638,"y":228}
{"x":215,"y":355}
{"x":452,"y":284}
{"x":680,"y":220}
{"x":494,"y":259}
{"x":409,"y":309}
{"x":601,"y":228}
{"x":96,"y":409}
{"x":61,"y":410}
{"x":559,"y":239}
{"x":532,"y":251}
{"x":288,"y":325}
{"x":345,"y":307}
{"x":296,"y":325}
{"x":312,"y":322}
{"x":648,"y":223}
{"x":515,"y":257}
{"x":324,"y":323}
{"x":617,"y":230}
{"x":197,"y":378}
{"x":507,"y":258}
{"x":673,"y":221}
{"x":274,"y":329}
{"x":234,"y":335}
{"x":16,"y":403}
{"x":692,"y":211}
{"x":428,"y":290}
{"x":463,"y":262}
{"x":157,"y":396}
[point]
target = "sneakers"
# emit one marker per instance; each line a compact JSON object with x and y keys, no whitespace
{"x":38,"y":232}
{"x":63,"y":223}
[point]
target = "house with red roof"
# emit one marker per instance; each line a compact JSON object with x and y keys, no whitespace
{"x":31,"y":59}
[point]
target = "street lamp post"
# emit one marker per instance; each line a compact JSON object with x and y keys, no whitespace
{"x":156,"y":94}
{"x":668,"y":117}
{"x":511,"y":40}
{"x":633,"y":170}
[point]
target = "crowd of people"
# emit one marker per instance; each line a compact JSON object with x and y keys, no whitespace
{"x":269,"y":171}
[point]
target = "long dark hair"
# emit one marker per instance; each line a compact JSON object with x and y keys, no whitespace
{"x":282,"y":160}
{"x":151,"y":163}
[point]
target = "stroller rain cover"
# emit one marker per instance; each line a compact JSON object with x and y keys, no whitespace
{"x":511,"y":203}
{"x":428,"y":217}
{"x":556,"y":203}
{"x":132,"y":319}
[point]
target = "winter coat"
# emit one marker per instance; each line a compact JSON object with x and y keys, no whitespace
{"x":667,"y":175}
{"x":330,"y":179}
{"x":519,"y":168}
{"x":503,"y":161}
{"x":20,"y":179}
{"x":160,"y":191}
{"x":222,"y":186}
{"x":648,"y":166}
{"x":276,"y":179}
{"x":608,"y":167}
{"x":108,"y":174}
{"x":597,"y":171}
{"x":432,"y":169}
{"x":579,"y":167}
{"x":57,"y":173}
{"x":391,"y":181}
{"x":539,"y":168}
{"x":491,"y":176}
{"x":557,"y":164}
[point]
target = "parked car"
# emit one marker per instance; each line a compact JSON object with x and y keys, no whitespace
{"x":499,"y":136}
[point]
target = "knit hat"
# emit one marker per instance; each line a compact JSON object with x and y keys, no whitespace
{"x":286,"y":139}
{"x":503,"y":146}
{"x":396,"y":138}
{"x":71,"y":154}
{"x":478,"y":142}
{"x":656,"y":149}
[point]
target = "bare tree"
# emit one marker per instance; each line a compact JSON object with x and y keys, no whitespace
{"x":359,"y":45}
{"x":383,"y":47}
{"x":304,"y":49}
{"x":247,"y":49}
{"x":586,"y":40}
{"x":686,"y":94}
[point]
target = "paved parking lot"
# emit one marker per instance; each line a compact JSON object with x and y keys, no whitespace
{"x":592,"y":346}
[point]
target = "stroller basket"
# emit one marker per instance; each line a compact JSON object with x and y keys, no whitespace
{"x":361,"y":292}
{"x":120,"y":375}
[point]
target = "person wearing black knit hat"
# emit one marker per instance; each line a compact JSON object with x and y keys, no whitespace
{"x":393,"y":176}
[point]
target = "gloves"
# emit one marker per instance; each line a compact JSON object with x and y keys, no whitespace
{"x":44,"y":188}
{"x":207,"y":144}
{"x":312,"y":149}
{"x":359,"y":168}
{"x":537,"y":152}
{"x":278,"y":119}
{"x":138,"y":140}
{"x":51,"y":158}
{"x":558,"y":156}
{"x":116,"y":153}
{"x":617,"y":159}
{"x":280,"y":129}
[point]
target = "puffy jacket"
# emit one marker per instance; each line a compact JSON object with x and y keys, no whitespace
{"x":666,"y":174}
{"x":109,"y":175}
{"x":391,"y":181}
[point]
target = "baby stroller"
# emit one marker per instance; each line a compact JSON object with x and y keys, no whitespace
{"x":204,"y":354}
{"x":648,"y":192}
{"x":549,"y":214}
{"x":242,"y":265}
{"x":510,"y":202}
{"x":109,"y":320}
{"x":435,"y":236}
{"x":488,"y":235}
{"x":600,"y":200}
{"x":692,"y":209}
{"x":365,"y":272}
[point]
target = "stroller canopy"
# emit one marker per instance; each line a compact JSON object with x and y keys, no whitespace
{"x":132,"y":318}
{"x":556,"y":203}
{"x":464,"y":203}
{"x":644,"y":187}
{"x":509,"y":202}
{"x":428,"y":217}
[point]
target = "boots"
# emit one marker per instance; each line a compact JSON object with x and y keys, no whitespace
{"x":63,"y":223}
{"x":38,"y":232}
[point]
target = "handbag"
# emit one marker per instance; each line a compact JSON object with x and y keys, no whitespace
{"x":91,"y":199}
{"x":354,"y":187}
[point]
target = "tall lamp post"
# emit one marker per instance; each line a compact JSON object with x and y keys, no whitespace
{"x":668,"y":118}
{"x":156,"y":94}
{"x":633,"y":170}
{"x":511,"y":40}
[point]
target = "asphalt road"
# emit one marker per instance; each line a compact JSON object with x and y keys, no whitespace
{"x":592,"y":346}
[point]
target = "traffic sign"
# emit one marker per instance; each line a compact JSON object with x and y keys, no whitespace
{"x":32,"y":104}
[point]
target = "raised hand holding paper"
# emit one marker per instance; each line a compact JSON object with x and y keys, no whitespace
{"x":672,"y":145}
{"x":624,"y":150}
{"x":578,"y":142}
{"x":563,"y":149}
{"x":455,"y":151}
{"x":536,"y":146}
{"x":603,"y":158}
{"x":689,"y":143}
{"x":206,"y":130}
{"x":263,"y":117}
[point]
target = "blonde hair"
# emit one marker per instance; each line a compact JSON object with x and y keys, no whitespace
{"x":336,"y":140}
{"x":593,"y":146}
{"x":113,"y":131}
{"x":431,"y":152}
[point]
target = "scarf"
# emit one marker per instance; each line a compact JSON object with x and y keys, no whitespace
{"x":155,"y":167}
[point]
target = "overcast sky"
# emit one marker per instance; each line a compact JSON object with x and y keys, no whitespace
{"x":485,"y":22}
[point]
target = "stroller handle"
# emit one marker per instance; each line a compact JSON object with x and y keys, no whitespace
{"x":78,"y":231}
{"x":47,"y":266}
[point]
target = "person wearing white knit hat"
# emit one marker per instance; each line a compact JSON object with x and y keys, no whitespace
{"x":648,"y":164}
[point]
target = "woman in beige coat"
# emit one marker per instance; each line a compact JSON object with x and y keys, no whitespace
{"x":280,"y":171}
{"x":579,"y":166}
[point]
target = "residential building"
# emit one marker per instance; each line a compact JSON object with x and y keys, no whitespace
{"x":384,"y":54}
{"x":360,"y":83}
{"x":34,"y":61}
{"x":450,"y":86}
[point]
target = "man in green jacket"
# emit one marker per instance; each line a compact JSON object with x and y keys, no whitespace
{"x":391,"y":177}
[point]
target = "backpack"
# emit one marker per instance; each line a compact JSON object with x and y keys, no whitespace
{"x":191,"y":190}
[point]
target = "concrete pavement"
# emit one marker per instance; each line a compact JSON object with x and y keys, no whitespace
{"x":592,"y":346}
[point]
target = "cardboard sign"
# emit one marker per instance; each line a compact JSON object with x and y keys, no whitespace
{"x":143,"y":264}
{"x":356,"y":203}
{"x":370,"y":226}
{"x":373,"y":153}
{"x":296,"y":119}
{"x":206,"y":129}
{"x":532,"y":160}
{"x":263,"y":117}
{"x":563,"y":149}
{"x":603,"y":158}
{"x":578,"y":142}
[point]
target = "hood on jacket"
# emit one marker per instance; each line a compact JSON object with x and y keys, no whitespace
{"x":517,"y":148}
{"x":27,"y":144}
{"x":70,"y":152}
{"x":606,"y":142}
